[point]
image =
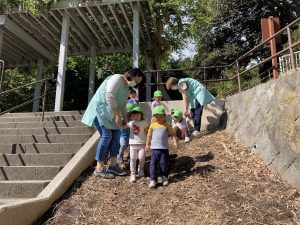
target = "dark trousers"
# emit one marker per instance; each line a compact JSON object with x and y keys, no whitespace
{"x":196,"y":114}
{"x":161,"y":157}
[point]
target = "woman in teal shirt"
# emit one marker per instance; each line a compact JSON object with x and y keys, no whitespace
{"x":107,"y":112}
{"x":194,"y":95}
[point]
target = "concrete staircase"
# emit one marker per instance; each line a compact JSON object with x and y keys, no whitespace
{"x":33,"y":152}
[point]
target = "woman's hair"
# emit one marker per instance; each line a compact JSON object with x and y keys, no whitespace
{"x":171,"y":82}
{"x":135,"y":72}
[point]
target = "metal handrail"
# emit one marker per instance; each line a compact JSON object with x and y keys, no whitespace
{"x":237,"y":61}
{"x":43,"y":96}
{"x":1,"y":73}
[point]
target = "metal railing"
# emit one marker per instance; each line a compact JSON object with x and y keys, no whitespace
{"x":285,"y":64}
{"x":1,"y":73}
{"x":236,"y":65}
{"x":43,"y":96}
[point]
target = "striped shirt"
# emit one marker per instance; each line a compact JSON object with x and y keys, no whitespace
{"x":159,"y":134}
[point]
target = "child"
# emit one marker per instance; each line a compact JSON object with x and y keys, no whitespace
{"x":137,"y":141}
{"x":124,"y":137}
{"x":157,"y":140}
{"x":132,"y":97}
{"x":179,"y":125}
{"x":157,"y":98}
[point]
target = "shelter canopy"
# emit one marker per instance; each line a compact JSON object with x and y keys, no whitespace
{"x":107,"y":24}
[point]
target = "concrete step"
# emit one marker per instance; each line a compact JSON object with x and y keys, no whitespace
{"x":22,"y":189}
{"x":39,"y":118}
{"x":29,"y":172}
{"x":40,"y":124}
{"x":48,"y":130}
{"x":27,"y":148}
{"x":51,"y":138}
{"x":39,"y":114}
{"x":10,"y":200}
{"x":43,"y":159}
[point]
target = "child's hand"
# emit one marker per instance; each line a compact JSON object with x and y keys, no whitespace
{"x":147,"y":148}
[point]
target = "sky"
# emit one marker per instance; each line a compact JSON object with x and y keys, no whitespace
{"x":189,"y":51}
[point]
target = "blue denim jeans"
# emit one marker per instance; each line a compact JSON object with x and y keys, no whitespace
{"x":124,"y":142}
{"x":109,"y":141}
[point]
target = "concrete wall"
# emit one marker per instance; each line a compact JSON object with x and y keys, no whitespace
{"x":267,"y":118}
{"x":212,"y":115}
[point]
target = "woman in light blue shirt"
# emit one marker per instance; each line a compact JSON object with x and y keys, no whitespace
{"x":194,"y":95}
{"x":107,"y":112}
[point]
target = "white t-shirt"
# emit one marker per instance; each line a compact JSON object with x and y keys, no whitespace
{"x":137,"y":132}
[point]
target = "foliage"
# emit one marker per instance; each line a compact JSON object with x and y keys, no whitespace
{"x":33,"y":6}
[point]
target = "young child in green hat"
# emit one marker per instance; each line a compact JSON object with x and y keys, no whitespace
{"x":157,"y":98}
{"x":137,"y":141}
{"x":157,"y":140}
{"x":179,"y":125}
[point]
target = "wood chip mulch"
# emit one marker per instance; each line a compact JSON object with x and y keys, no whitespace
{"x":213,"y":180}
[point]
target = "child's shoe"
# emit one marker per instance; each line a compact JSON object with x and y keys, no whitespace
{"x":103,"y":173}
{"x":141,"y":173}
{"x":196,"y":133}
{"x":152,"y":184}
{"x":187,"y":139}
{"x":132,"y":178}
{"x":165,"y":181}
{"x":116,"y":170}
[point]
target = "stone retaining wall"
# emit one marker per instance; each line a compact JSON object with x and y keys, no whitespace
{"x":267,"y":118}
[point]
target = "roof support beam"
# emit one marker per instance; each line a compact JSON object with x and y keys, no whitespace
{"x":100,"y":27}
{"x":90,"y":25}
{"x":110,"y":26}
{"x":66,"y":4}
{"x":14,"y":28}
{"x":81,"y":28}
{"x":62,"y":63}
{"x":80,"y":41}
{"x":119,"y":24}
{"x":136,"y":37}
{"x":38,"y":32}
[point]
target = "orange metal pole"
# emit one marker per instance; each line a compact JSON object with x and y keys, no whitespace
{"x":273,"y":48}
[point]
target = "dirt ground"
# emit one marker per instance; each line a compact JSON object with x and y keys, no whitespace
{"x":213,"y":180}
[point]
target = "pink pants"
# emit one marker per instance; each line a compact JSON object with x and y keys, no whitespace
{"x":137,"y":152}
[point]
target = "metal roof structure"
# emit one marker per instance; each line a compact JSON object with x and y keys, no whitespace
{"x":106,"y":24}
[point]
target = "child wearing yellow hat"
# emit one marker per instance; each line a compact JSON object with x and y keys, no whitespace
{"x":157,"y":141}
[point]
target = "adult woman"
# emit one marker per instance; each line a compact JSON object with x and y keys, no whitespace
{"x":107,"y":112}
{"x":195,"y":95}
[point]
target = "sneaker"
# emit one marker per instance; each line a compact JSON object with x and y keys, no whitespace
{"x":187,"y":139}
{"x":165,"y":181}
{"x":141,"y":173}
{"x":152,"y":184}
{"x":116,"y":170}
{"x":132,"y":178}
{"x":120,"y":159}
{"x":103,"y":173}
{"x":196,"y":133}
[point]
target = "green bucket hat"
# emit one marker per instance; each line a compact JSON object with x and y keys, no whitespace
{"x":178,"y":113}
{"x":157,"y":93}
{"x":159,"y":110}
{"x":128,"y":107}
{"x":174,"y":109}
{"x":136,"y":108}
